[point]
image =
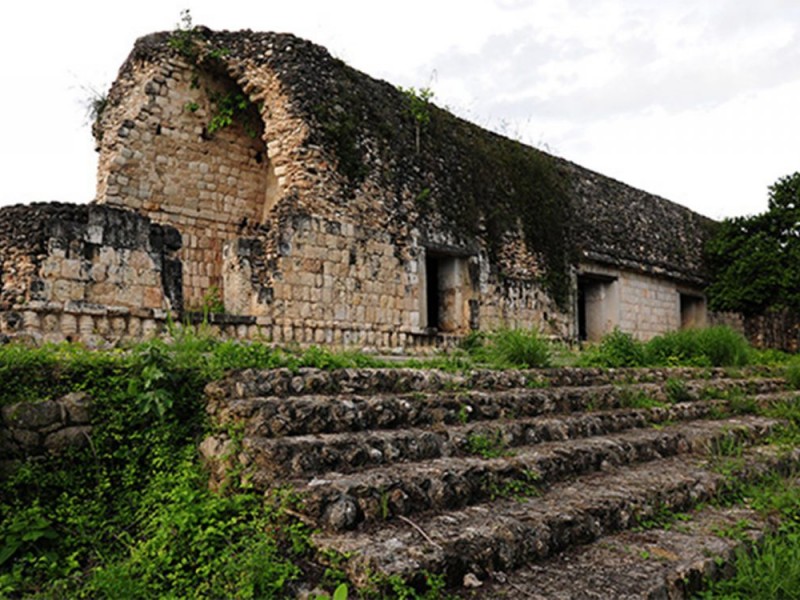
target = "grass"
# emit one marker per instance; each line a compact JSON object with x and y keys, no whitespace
{"x":131,"y":515}
{"x":771,"y":569}
{"x":487,"y":445}
{"x":526,"y":486}
{"x":632,"y":398}
{"x":792,"y":373}
{"x":616,"y":349}
{"x":709,"y":347}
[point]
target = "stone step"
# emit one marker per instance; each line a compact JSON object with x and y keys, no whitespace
{"x":337,"y":501}
{"x":249,"y":383}
{"x":507,"y":534}
{"x":316,"y":414}
{"x":672,"y":562}
{"x":308,"y":455}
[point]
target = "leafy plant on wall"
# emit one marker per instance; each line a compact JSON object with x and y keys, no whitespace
{"x":228,"y":107}
{"x":419,"y":107}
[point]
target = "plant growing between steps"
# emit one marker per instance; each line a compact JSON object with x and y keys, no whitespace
{"x":676,"y":390}
{"x":487,"y":445}
{"x":635,"y":398}
{"x":770,"y":569}
{"x":518,"y":489}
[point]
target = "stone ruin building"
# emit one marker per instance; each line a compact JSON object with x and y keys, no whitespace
{"x":318,"y":205}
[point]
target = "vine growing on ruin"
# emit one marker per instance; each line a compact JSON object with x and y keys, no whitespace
{"x":228,"y":107}
{"x":232,"y":107}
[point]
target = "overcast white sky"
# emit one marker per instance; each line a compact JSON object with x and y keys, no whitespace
{"x":696,"y":101}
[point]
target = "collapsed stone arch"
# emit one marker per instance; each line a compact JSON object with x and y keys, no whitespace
{"x":186,"y":145}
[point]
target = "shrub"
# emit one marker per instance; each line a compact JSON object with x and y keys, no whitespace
{"x":30,"y":374}
{"x":709,"y":347}
{"x":518,"y":348}
{"x":616,"y":349}
{"x":792,"y":373}
{"x":676,"y":390}
{"x":130,"y":515}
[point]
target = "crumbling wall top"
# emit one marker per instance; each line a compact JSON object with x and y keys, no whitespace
{"x":448,"y":174}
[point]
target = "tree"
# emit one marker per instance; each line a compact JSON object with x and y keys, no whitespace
{"x":755,"y":261}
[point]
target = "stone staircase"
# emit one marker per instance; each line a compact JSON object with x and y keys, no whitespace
{"x":541,"y":484}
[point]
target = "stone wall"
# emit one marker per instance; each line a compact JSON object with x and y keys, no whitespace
{"x":33,"y":429}
{"x":321,"y":214}
{"x":159,"y":157}
{"x":329,"y":256}
{"x":642,"y":305}
{"x":85,"y":273}
{"x":778,"y":329}
{"x":648,"y":306}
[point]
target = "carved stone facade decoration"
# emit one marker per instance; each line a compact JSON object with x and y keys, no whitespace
{"x":256,"y":171}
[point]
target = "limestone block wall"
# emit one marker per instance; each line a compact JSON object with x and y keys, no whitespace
{"x":648,"y":306}
{"x":343,"y":283}
{"x":159,"y":156}
{"x":85,"y":273}
{"x":269,"y":220}
{"x":639,"y":303}
{"x":330,"y":282}
{"x":521,"y":303}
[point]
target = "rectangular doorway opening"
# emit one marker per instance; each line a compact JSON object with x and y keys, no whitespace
{"x":432,"y":291}
{"x":693,"y":311}
{"x":446,"y":294}
{"x":598,"y":306}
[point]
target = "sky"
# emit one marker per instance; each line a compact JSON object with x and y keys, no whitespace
{"x":694,"y":101}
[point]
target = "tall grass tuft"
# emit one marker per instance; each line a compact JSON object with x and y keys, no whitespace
{"x":709,"y":347}
{"x":524,"y":348}
{"x":616,"y":349}
{"x":792,"y":373}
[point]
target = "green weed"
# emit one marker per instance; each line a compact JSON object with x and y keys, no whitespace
{"x":519,"y":489}
{"x":661,"y":516}
{"x":770,"y":569}
{"x":634,"y":398}
{"x":616,"y":349}
{"x":676,"y":390}
{"x":487,"y":445}
{"x":792,"y":374}
{"x":707,"y":347}
{"x":523,"y":348}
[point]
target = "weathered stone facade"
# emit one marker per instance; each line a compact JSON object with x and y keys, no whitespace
{"x":85,"y":273}
{"x":317,"y":210}
{"x":33,"y":429}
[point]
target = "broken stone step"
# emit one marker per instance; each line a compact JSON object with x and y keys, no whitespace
{"x":670,"y":563}
{"x":338,"y":501}
{"x":304,"y":456}
{"x":506,"y":534}
{"x":249,"y":383}
{"x":275,"y":417}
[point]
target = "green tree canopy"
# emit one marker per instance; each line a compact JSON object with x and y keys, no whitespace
{"x":755,"y":261}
